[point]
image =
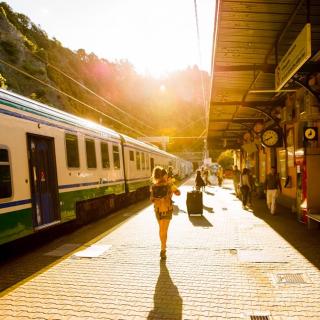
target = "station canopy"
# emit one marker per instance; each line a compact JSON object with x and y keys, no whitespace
{"x":250,"y":39}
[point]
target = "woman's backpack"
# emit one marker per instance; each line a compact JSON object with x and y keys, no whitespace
{"x":161,"y":196}
{"x":159,"y":191}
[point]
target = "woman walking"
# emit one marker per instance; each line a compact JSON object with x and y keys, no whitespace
{"x":161,"y":193}
{"x":245,"y":187}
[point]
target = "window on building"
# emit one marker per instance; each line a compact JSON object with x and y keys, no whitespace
{"x":105,"y":161}
{"x":72,"y":151}
{"x":91,"y":154}
{"x":116,"y":157}
{"x":143,"y":162}
{"x":131,"y":154}
{"x":138,"y":160}
{"x":5,"y":174}
{"x":147,"y":162}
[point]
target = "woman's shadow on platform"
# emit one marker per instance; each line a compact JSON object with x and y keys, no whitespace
{"x":167,"y":301}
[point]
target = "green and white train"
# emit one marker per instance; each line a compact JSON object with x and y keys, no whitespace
{"x":56,"y":167}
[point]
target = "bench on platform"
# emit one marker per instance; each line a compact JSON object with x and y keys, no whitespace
{"x":313,"y":218}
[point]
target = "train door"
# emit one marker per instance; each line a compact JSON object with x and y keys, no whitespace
{"x":151,"y":164}
{"x":43,"y":180}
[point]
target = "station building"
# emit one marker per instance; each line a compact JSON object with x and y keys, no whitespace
{"x":265,"y":95}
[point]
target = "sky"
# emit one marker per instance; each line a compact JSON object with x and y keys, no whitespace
{"x":156,"y":36}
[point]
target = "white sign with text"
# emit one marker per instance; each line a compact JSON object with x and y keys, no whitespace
{"x":298,"y":53}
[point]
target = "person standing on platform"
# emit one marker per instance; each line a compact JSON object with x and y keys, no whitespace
{"x":161,"y":194}
{"x":272,"y":186}
{"x":245,"y":187}
{"x":252,"y":187}
{"x":236,"y":180}
{"x":206,"y":177}
{"x":199,"y":181}
{"x":220,"y":176}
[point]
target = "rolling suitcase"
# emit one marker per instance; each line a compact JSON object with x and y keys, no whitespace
{"x":194,"y":202}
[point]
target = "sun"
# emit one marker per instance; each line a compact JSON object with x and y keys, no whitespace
{"x":163,"y":88}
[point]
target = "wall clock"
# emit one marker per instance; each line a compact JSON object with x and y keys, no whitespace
{"x":270,"y":138}
{"x":311,"y":133}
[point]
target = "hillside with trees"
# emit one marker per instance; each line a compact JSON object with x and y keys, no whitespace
{"x":35,"y":66}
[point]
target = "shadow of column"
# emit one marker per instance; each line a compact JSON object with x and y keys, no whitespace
{"x":167,"y":301}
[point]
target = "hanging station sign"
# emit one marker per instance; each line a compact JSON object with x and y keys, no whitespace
{"x":298,"y":53}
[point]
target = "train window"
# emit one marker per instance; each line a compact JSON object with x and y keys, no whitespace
{"x":91,"y":154}
{"x":131,"y":154}
{"x":138,"y":160}
{"x":143,"y":163}
{"x":72,"y":151}
{"x":5,"y":175}
{"x":116,"y":157}
{"x":105,"y":161}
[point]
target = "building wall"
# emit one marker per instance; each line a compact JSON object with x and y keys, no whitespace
{"x":296,"y":155}
{"x":297,"y":161}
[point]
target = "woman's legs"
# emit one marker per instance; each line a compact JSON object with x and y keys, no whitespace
{"x":163,"y":232}
{"x":245,"y":192}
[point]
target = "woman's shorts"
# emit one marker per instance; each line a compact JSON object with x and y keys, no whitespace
{"x":164,"y":215}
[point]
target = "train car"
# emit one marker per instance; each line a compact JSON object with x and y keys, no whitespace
{"x":184,"y":168}
{"x":56,"y":167}
{"x":140,"y":159}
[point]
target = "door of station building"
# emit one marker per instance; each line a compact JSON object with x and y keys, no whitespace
{"x":43,"y":180}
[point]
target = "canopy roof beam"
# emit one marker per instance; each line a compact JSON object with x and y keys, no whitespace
{"x":273,"y":103}
{"x":239,"y":120}
{"x":310,"y":66}
{"x":266,"y":68}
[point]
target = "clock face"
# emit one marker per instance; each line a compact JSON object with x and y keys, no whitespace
{"x":270,"y":138}
{"x":310,"y":133}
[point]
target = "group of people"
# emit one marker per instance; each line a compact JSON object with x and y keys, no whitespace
{"x":244,"y":185}
{"x":202,"y":178}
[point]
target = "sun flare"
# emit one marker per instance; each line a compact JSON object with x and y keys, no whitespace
{"x":156,"y":37}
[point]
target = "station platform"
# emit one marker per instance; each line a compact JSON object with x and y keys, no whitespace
{"x":228,"y":264}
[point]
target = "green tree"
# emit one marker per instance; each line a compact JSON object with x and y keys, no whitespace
{"x":225,"y":159}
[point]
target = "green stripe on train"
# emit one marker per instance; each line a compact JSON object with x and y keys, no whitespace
{"x":68,"y":199}
{"x":16,"y":224}
{"x":133,"y":186}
